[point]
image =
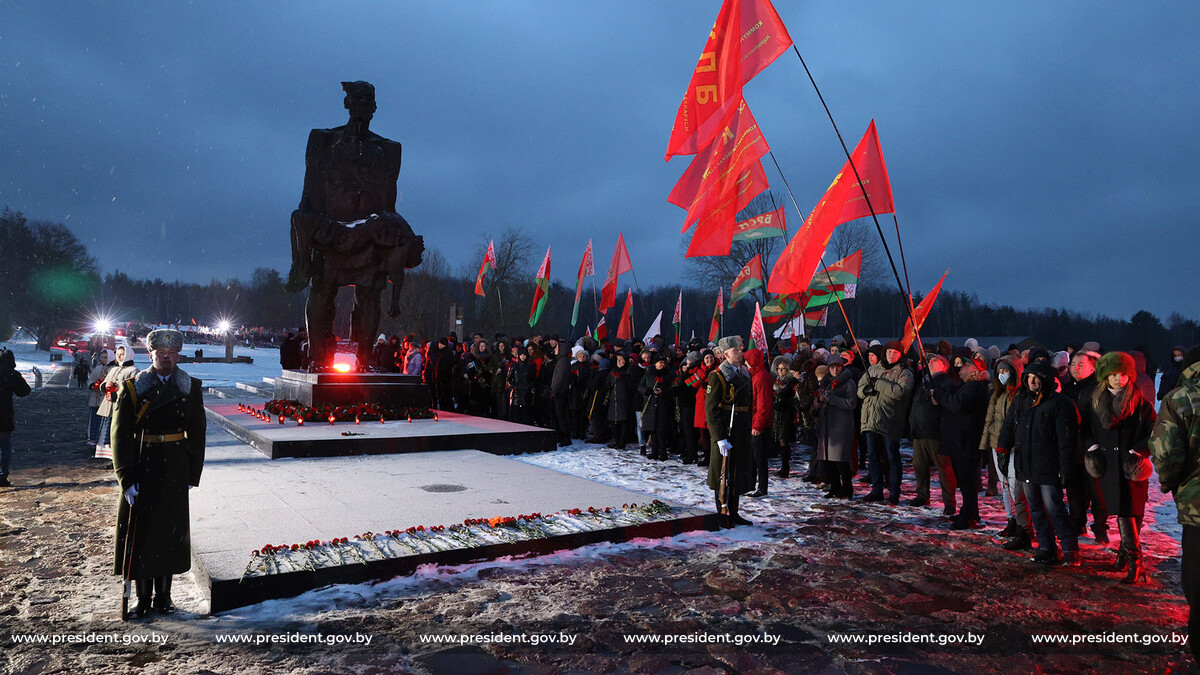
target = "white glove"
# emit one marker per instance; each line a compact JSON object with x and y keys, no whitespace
{"x":724,"y":445}
{"x":1095,"y":447}
{"x":131,"y":493}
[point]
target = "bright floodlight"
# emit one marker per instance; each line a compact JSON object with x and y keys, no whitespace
{"x":103,"y":325}
{"x":223,"y":326}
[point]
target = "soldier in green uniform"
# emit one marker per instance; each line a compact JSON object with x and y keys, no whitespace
{"x":729,"y":406}
{"x":1175,"y":450}
{"x":158,"y":433}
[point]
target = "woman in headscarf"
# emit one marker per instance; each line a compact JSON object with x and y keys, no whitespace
{"x":1117,"y":425}
{"x":95,"y":382}
{"x":122,"y":369}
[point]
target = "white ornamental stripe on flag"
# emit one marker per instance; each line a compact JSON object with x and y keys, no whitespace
{"x":850,"y":290}
{"x":793,"y":327}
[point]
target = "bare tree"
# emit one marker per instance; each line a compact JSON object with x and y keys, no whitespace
{"x":514,"y":251}
{"x":852,"y":236}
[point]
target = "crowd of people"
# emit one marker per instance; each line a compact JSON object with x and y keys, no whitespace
{"x":1054,"y":436}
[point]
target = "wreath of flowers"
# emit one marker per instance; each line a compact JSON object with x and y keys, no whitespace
{"x":419,"y":539}
{"x":361,"y":412}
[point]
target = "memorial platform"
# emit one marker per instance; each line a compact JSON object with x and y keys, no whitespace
{"x":451,"y":431}
{"x":246,"y":501}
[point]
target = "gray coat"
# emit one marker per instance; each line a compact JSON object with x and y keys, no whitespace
{"x":835,"y":422}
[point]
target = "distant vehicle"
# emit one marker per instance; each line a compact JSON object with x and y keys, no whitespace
{"x":85,"y":342}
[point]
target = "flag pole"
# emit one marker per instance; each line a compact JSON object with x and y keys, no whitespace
{"x":827,"y":274}
{"x":908,"y":308}
{"x":904,"y":264}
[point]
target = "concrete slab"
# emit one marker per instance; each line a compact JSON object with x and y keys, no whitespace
{"x":247,"y":500}
{"x":451,"y":431}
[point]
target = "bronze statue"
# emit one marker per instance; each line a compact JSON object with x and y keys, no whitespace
{"x":346,"y":231}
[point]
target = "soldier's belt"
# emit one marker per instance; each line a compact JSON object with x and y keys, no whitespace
{"x":164,"y":438}
{"x":740,"y":408}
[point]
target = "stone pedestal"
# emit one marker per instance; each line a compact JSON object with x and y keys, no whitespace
{"x":392,"y":390}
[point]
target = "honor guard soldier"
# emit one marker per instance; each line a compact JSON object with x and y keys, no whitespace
{"x":729,"y":406}
{"x":158,"y":432}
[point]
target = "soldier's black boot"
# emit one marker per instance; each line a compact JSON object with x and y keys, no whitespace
{"x":734,"y":518}
{"x":162,"y":595}
{"x":145,"y":593}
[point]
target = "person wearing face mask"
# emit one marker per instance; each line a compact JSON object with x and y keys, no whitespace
{"x":1171,"y":372}
{"x":123,"y":369}
{"x":1041,"y":430}
{"x":1003,"y":389}
{"x":1117,"y":423}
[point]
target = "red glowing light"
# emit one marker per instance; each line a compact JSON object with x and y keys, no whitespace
{"x":342,"y":367}
{"x":281,"y":419}
{"x":331,"y":419}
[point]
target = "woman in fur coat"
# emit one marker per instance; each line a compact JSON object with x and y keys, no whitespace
{"x":1117,"y":424}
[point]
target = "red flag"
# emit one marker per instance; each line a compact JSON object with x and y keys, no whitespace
{"x":601,"y":331}
{"x":619,"y":265}
{"x":714,"y":172}
{"x":842,"y":202}
{"x":714,"y":232}
{"x":921,"y":313}
{"x":625,"y":328}
{"x":746,"y":37}
{"x":489,"y":259}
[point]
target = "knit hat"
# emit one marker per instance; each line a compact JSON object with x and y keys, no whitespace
{"x":1060,"y":360}
{"x":894,"y":344}
{"x":1091,"y":346}
{"x":972,"y":344}
{"x":821,"y":372}
{"x":729,"y":342}
{"x":1115,"y":362}
{"x":576,"y":351}
{"x":164,"y":338}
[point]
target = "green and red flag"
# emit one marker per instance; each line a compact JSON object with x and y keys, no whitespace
{"x":762,"y":226}
{"x":758,"y":335}
{"x":677,"y":317}
{"x":625,"y":327}
{"x":921,"y":313}
{"x":620,"y":264}
{"x":779,"y":307}
{"x":746,"y":37}
{"x":714,"y":330}
{"x":489,"y":262}
{"x":817,"y":317}
{"x":750,"y":278}
{"x":845,"y":200}
{"x":586,"y":269}
{"x":542,"y":291}
{"x":601,"y":331}
{"x":844,"y":276}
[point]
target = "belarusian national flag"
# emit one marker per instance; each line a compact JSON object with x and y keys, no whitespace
{"x":747,"y":280}
{"x":845,"y":200}
{"x":625,"y":327}
{"x":620,"y":264}
{"x":921,"y":313}
{"x":758,"y":336}
{"x":489,"y":260}
{"x":817,"y":317}
{"x":762,"y":226}
{"x":677,"y":317}
{"x":542,"y":291}
{"x":601,"y":331}
{"x":746,"y":37}
{"x":714,"y":330}
{"x":586,"y":269}
{"x":844,"y":277}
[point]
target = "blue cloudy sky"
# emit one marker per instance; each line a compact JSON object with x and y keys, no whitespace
{"x":1044,"y":151}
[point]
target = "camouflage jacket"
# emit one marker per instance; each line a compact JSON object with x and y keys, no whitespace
{"x":1175,"y":445}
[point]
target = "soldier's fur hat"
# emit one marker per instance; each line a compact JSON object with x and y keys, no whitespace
{"x":729,"y":342}
{"x":164,"y":338}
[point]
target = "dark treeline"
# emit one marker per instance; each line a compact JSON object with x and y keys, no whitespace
{"x":54,"y":285}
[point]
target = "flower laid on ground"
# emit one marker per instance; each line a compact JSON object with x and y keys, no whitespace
{"x":419,"y":539}
{"x":296,"y":410}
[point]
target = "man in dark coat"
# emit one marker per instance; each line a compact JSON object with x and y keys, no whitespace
{"x":963,"y":410}
{"x":1041,"y":431}
{"x":12,"y":384}
{"x":925,"y":424}
{"x":158,"y":436}
{"x":729,"y":409}
{"x":560,"y":391}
